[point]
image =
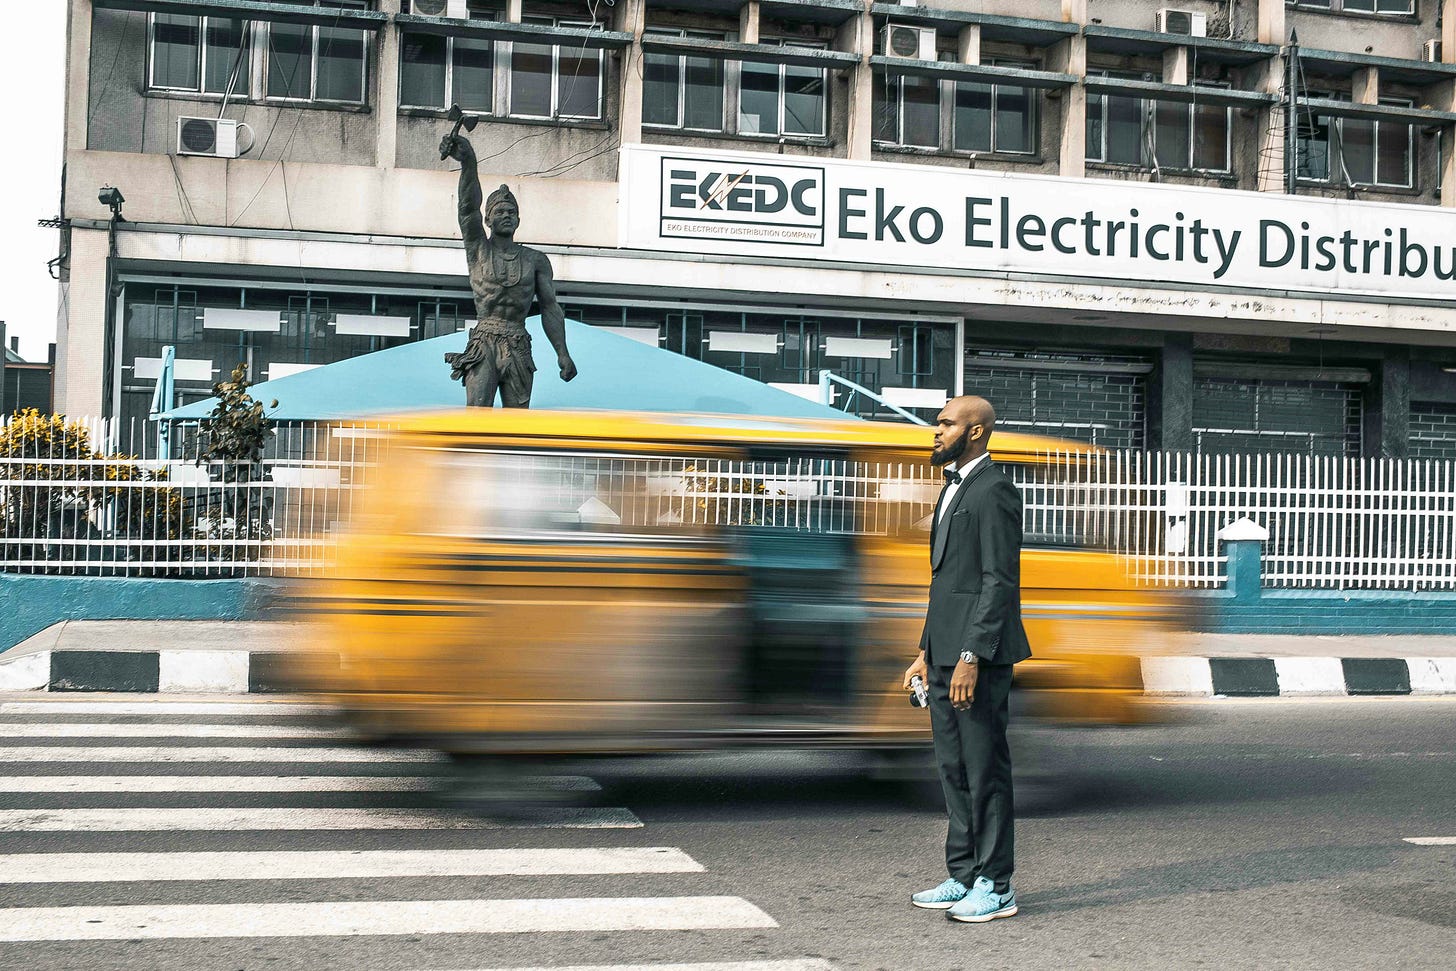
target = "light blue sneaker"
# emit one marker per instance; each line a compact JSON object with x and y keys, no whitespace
{"x":941,"y":897}
{"x":983,"y":903}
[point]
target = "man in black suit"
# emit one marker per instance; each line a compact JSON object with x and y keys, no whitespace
{"x":973,"y":635}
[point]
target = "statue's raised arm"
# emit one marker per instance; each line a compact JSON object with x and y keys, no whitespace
{"x":472,"y":226}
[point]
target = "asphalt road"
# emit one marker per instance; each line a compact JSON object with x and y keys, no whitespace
{"x":1251,"y":834}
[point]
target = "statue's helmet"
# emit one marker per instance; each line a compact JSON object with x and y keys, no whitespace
{"x":503,"y":194}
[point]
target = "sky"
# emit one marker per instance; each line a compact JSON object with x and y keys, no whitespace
{"x":32,"y":75}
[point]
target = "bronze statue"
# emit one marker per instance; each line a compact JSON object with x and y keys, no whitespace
{"x":505,"y":277}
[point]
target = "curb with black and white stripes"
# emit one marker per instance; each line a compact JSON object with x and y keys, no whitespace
{"x":250,"y":672}
{"x":161,"y":671}
{"x":1254,"y":677}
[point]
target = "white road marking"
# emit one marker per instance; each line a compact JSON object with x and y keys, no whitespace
{"x":164,"y":730}
{"x":1432,"y":840}
{"x":338,"y":865}
{"x":272,"y":818}
{"x":386,"y":917}
{"x":805,"y":964}
{"x":160,"y":707}
{"x":265,"y":783}
{"x":167,"y":753}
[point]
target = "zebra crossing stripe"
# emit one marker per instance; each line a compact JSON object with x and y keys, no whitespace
{"x":1432,"y":840}
{"x":137,"y":922}
{"x":264,"y":783}
{"x":338,"y":864}
{"x":199,"y":753}
{"x":153,"y":820}
{"x":163,"y":730}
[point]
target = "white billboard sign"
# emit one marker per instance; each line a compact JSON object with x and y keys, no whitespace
{"x":744,"y":204}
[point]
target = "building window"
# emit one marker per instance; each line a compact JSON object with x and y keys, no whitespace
{"x":555,"y":80}
{"x":910,"y":111}
{"x":436,"y":72}
{"x":1154,"y":134}
{"x":681,"y":90}
{"x":995,"y":117}
{"x":1433,"y":431}
{"x":1386,"y":7}
{"x":1356,"y":151}
{"x":1089,"y":397}
{"x":1239,"y":415}
{"x":208,"y":55}
{"x":781,"y":99}
{"x":316,"y":63}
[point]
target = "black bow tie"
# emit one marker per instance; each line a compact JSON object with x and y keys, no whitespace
{"x":951,"y":475}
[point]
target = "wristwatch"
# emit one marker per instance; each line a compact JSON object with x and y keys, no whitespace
{"x":970,"y":657}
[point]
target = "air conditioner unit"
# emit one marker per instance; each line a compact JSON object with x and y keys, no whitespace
{"x":914,"y":43}
{"x":1431,"y":50}
{"x":1168,"y":21}
{"x":217,"y":137}
{"x":455,"y":9}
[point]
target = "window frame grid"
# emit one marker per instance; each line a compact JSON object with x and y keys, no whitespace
{"x":249,"y":33}
{"x":682,"y":82}
{"x":451,"y":97}
{"x":555,"y":115}
{"x":1148,"y":129}
{"x":782,"y":92}
{"x":1336,"y":151}
{"x":1338,"y":7}
{"x":267,"y":49}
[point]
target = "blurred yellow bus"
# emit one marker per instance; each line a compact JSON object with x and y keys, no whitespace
{"x":551,"y":582}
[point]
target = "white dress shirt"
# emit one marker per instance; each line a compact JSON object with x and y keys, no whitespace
{"x":950,"y":489}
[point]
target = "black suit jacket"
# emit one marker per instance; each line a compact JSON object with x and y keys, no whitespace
{"x":975,"y":574}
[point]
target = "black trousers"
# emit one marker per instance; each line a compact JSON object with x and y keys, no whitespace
{"x":975,"y":772}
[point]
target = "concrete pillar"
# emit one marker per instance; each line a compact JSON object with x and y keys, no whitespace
{"x":858,"y":35}
{"x":1175,"y":65}
{"x":386,"y":94}
{"x":514,"y":12}
{"x":748,"y":23}
{"x":632,"y":19}
{"x":78,"y":75}
{"x":81,"y":355}
{"x":1448,"y":31}
{"x":1070,"y":57}
{"x":1171,"y":396}
{"x":968,"y":44}
{"x":1269,"y":78}
{"x":1365,"y":86}
{"x":1074,"y":11}
{"x":1387,"y":414}
{"x":1271,"y":22}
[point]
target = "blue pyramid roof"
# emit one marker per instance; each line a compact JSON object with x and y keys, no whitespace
{"x":615,"y":372}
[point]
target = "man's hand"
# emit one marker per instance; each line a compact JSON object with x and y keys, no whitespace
{"x":567,"y":365}
{"x":457,"y":148}
{"x":963,"y":685}
{"x":916,"y":667}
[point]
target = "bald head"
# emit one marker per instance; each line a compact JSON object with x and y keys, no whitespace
{"x":963,"y":430}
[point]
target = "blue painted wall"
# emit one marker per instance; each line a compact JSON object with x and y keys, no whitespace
{"x":1245,"y":606}
{"x":30,"y":604}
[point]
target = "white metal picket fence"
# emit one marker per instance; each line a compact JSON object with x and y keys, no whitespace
{"x":89,"y":497}
{"x":104,"y":503}
{"x":1333,"y":523}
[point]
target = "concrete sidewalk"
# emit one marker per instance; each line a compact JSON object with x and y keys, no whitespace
{"x":236,"y":657}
